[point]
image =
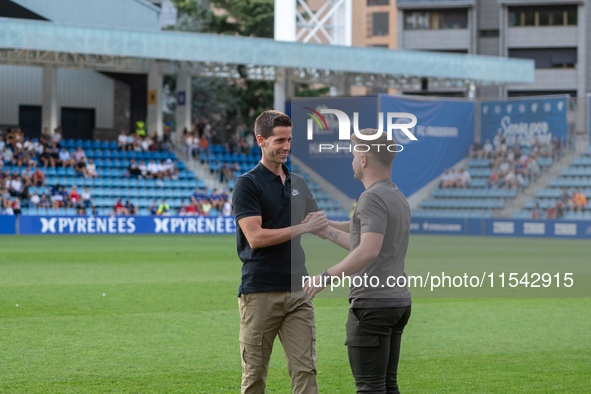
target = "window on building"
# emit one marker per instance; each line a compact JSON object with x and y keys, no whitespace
{"x":380,"y":25}
{"x":378,"y":2}
{"x":543,"y":16}
{"x":489,"y":33}
{"x":380,"y":46}
{"x":547,"y":57}
{"x":456,"y":18}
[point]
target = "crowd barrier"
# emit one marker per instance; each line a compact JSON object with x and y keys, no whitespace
{"x":503,"y":227}
{"x":226,"y":225}
{"x":117,"y":225}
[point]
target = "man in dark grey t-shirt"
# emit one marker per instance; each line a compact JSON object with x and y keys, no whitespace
{"x":377,"y":238}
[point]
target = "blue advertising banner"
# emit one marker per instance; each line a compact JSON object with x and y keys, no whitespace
{"x":538,"y":228}
{"x":324,"y":152}
{"x":446,"y":226}
{"x":7,"y":224}
{"x":521,"y":121}
{"x":126,"y":225}
{"x":444,"y":132}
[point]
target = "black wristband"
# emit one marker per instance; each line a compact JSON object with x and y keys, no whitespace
{"x":326,"y":274}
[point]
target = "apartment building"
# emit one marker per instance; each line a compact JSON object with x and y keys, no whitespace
{"x":553,"y":33}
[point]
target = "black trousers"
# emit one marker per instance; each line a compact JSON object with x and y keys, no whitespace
{"x":373,"y":341}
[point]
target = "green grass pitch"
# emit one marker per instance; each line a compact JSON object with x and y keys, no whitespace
{"x":159,"y":314}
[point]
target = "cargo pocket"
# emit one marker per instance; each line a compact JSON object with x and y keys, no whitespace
{"x":251,"y":348}
{"x":362,"y":340}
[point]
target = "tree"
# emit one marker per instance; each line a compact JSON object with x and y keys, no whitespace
{"x":228,"y":104}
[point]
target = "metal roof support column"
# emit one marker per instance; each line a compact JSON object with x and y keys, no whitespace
{"x":49,"y":104}
{"x":280,"y":89}
{"x":184,"y":95}
{"x":154,"y":121}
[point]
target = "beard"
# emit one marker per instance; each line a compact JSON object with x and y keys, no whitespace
{"x":357,"y":174}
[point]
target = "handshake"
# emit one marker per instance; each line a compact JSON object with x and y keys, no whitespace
{"x":316,"y":223}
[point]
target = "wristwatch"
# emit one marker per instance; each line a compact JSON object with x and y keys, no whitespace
{"x":326,"y":275}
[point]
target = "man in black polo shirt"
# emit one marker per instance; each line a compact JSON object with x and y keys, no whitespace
{"x":377,"y":237}
{"x":266,"y":201}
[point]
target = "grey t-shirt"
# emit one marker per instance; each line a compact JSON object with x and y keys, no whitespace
{"x":382,"y":209}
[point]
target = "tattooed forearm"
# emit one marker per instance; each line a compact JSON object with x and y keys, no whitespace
{"x":334,"y":235}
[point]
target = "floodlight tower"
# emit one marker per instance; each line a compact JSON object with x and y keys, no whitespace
{"x":309,"y":21}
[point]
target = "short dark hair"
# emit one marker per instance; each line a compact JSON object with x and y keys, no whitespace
{"x":268,"y":120}
{"x":383,"y":156}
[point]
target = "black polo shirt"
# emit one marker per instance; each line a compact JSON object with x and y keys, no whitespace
{"x":260,"y":192}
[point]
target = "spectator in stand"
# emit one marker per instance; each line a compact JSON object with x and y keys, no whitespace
{"x":214,"y":198}
{"x":46,"y":158}
{"x":206,"y":207}
{"x":546,"y":150}
{"x":65,"y":159}
{"x":235,"y":168}
{"x":120,"y":209}
{"x":556,"y":148}
{"x":16,"y":186}
{"x":153,"y":169}
{"x":464,"y":179}
{"x":183,"y":209}
{"x":445,"y":179}
{"x":38,"y":177}
{"x":144,"y":170}
{"x":166,"y":168}
{"x":487,"y":149}
{"x":192,"y":207}
{"x":533,"y":167}
{"x":35,"y":200}
{"x":551,"y":212}
{"x":579,"y":201}
{"x":134,"y":169}
{"x":122,"y":140}
{"x":7,"y":156}
{"x":73,"y":197}
{"x":90,"y":170}
{"x":86,"y":198}
{"x":44,"y":201}
{"x":27,"y":176}
{"x":225,"y":173}
{"x":564,"y":200}
{"x":16,"y":206}
{"x":536,"y":213}
{"x":7,"y":208}
{"x":130,"y":141}
{"x":164,"y":208}
{"x":203,"y":144}
{"x":189,"y":146}
{"x":80,"y":158}
{"x":475,"y":150}
{"x":57,"y":197}
{"x":510,"y":180}
{"x":131,"y":209}
{"x":227,"y":209}
{"x":56,"y":138}
{"x":454,"y":178}
{"x":154,"y":207}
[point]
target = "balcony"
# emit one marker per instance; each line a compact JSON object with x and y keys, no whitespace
{"x":441,"y":39}
{"x":543,"y":37}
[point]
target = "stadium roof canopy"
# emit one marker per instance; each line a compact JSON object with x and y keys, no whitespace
{"x":37,"y":43}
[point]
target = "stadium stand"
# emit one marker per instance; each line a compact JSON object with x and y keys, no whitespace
{"x":112,"y":183}
{"x":575,"y":178}
{"x":483,"y":197}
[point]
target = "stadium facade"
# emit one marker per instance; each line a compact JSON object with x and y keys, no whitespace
{"x":555,"y":34}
